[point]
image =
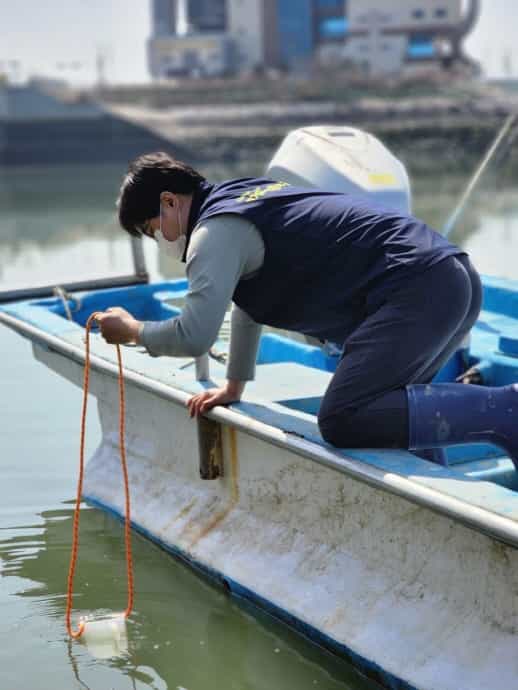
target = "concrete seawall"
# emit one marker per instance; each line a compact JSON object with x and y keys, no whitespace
{"x":105,"y":139}
{"x":36,"y":128}
{"x":48,"y":126}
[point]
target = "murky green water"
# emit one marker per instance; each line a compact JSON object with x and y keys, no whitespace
{"x":57,"y":225}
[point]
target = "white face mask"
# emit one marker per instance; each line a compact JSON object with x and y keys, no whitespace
{"x":173,"y":248}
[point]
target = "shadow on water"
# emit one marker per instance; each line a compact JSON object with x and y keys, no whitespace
{"x":184,"y":632}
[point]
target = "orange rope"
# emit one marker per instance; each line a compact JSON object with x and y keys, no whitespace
{"x":127,"y":523}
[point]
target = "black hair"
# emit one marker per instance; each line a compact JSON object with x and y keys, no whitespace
{"x":147,"y":177}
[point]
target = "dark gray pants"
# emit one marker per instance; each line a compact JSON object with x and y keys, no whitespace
{"x":404,"y":340}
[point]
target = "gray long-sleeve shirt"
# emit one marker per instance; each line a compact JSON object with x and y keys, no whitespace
{"x":222,"y":251}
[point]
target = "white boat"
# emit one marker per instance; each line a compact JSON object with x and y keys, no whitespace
{"x":407,"y":568}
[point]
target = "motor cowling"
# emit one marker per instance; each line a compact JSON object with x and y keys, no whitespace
{"x":342,"y":159}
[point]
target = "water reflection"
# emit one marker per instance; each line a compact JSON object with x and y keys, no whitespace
{"x":59,"y":224}
{"x":184,"y":632}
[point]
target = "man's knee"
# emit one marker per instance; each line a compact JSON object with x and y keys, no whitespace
{"x":382,"y":424}
{"x":328,"y":428}
{"x":339,"y":430}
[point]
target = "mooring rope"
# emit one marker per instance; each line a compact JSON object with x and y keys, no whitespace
{"x":127,"y":522}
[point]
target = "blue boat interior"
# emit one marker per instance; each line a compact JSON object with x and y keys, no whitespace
{"x":292,"y":375}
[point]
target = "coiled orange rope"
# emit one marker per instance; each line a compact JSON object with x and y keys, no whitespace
{"x":127,"y":522}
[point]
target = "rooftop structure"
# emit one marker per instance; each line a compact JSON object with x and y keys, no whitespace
{"x":390,"y":37}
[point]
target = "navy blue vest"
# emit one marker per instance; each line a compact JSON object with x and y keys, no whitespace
{"x":329,"y":258}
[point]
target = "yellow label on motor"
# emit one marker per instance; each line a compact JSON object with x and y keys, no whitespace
{"x":382,"y":179}
{"x":258,"y":192}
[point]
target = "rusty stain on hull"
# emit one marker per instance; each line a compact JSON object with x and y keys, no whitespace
{"x":181,"y":513}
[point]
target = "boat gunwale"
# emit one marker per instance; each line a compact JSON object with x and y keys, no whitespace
{"x":491,"y":524}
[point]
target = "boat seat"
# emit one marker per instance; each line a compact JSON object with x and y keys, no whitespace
{"x":289,"y":384}
{"x":499,"y":470}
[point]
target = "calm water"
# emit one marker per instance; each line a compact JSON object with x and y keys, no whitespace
{"x":58,"y":225}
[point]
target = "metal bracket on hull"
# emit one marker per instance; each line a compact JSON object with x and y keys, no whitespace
{"x":210,"y":448}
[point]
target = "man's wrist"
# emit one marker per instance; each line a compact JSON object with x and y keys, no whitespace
{"x":137,"y":331}
{"x":235,"y":388}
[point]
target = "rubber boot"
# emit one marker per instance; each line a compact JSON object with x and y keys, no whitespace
{"x":449,"y":414}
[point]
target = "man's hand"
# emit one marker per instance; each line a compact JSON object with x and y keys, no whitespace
{"x":118,"y":326}
{"x":202,"y":402}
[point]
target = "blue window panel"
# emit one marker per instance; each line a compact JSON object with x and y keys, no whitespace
{"x":339,"y":4}
{"x":333,"y":28}
{"x":295,"y":29}
{"x":421,"y":50}
{"x":418,"y":14}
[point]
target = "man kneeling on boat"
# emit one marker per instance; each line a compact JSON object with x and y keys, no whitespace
{"x":395,"y":293}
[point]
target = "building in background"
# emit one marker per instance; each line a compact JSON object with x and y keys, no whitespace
{"x":207,"y":16}
{"x":163,"y":17}
{"x":220,"y":37}
{"x":294,"y":24}
{"x":400,"y":36}
{"x":330,"y":23}
{"x":190,"y":39}
{"x":191,"y":55}
{"x":247,"y":20}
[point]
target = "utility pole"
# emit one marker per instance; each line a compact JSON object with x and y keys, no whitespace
{"x":101,"y":61}
{"x":507,"y":64}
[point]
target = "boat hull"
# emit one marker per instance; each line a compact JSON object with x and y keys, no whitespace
{"x":410,"y":595}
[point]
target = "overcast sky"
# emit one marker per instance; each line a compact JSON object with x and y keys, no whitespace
{"x":61,"y":38}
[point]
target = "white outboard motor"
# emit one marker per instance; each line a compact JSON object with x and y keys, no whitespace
{"x":342,"y":159}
